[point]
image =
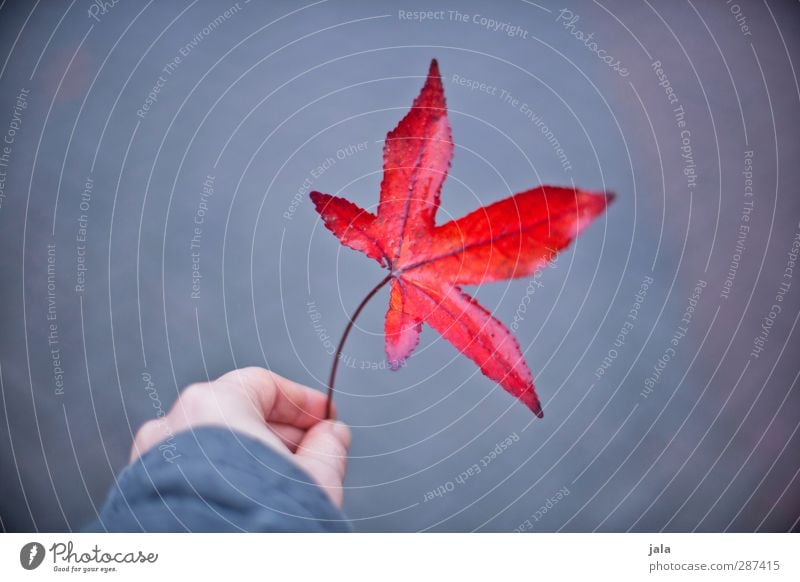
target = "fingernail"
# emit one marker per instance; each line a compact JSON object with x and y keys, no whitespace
{"x":340,"y":429}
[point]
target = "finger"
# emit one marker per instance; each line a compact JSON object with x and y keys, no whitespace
{"x":290,"y":436}
{"x":296,"y":404}
{"x":323,"y":453}
{"x":280,"y":399}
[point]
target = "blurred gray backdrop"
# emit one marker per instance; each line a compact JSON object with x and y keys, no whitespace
{"x":156,"y":231}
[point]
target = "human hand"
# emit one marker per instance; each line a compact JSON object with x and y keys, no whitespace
{"x":284,"y":415}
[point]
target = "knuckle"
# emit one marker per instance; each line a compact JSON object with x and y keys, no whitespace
{"x":256,"y":377}
{"x":251,"y":379}
{"x":193,"y":392}
{"x":253,"y":382}
{"x":147,"y":434}
{"x":194,"y":397}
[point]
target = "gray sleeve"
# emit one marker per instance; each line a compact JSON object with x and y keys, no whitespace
{"x":214,"y":479}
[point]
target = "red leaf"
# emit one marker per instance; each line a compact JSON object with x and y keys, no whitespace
{"x":510,"y":238}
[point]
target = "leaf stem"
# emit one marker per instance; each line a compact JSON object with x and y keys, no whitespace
{"x":337,"y":356}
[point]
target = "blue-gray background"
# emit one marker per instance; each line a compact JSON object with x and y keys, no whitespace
{"x":263,"y":95}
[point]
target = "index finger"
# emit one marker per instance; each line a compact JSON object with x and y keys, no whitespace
{"x":280,"y":399}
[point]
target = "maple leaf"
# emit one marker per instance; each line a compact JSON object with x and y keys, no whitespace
{"x":428,"y":264}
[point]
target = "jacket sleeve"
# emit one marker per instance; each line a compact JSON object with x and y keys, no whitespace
{"x":212,"y":480}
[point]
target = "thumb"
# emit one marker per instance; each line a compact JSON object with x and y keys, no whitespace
{"x":323,"y":454}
